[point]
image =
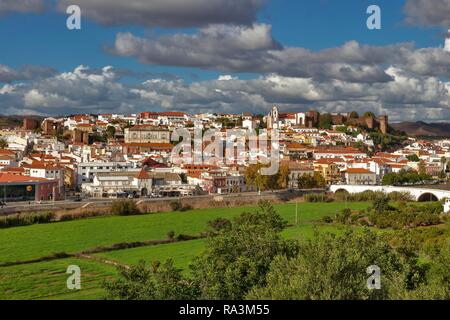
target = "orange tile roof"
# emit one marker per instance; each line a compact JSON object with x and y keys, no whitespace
{"x":14,"y":178}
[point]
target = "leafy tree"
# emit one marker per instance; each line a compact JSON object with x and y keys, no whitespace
{"x":160,"y":282}
{"x":334,"y":267}
{"x":381,"y":203}
{"x":110,"y":132}
{"x":369,"y":115}
{"x":254,"y":178}
{"x":219,"y":224}
{"x":309,"y":181}
{"x":405,"y":176}
{"x":238,"y":258}
{"x":422,"y":168}
{"x":325,"y":121}
{"x":3,"y":143}
{"x":413,"y":158}
{"x":283,"y":176}
{"x":353,"y":115}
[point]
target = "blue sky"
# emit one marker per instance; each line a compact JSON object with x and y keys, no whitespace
{"x":43,"y":39}
{"x":304,"y":45}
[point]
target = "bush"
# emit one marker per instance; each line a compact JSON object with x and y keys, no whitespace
{"x":171,"y":235}
{"x":316,"y":197}
{"x":125,"y":208}
{"x":343,"y":216}
{"x":400,"y":196}
{"x":26,"y":219}
{"x":176,"y":205}
{"x":368,"y":195}
{"x":219,"y":224}
{"x":327,"y":219}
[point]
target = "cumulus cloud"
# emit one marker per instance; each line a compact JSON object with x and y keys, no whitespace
{"x":428,"y":13}
{"x":82,"y":90}
{"x":23,"y":6}
{"x":167,"y":13}
{"x":253,"y":49}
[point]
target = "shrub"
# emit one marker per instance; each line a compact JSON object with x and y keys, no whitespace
{"x":316,"y":197}
{"x":125,"y":208}
{"x":343,"y":216}
{"x":400,"y":196}
{"x":327,"y":219}
{"x":219,"y":224}
{"x":176,"y":205}
{"x":171,"y":235}
{"x":186,"y":207}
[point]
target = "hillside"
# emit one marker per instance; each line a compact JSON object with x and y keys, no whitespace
{"x":421,"y":128}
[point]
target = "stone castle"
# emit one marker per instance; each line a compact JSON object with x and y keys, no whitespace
{"x":311,"y":119}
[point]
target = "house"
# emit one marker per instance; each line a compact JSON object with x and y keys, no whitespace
{"x":137,"y":182}
{"x":146,"y":134}
{"x":15,"y":187}
{"x":88,"y":170}
{"x":360,"y":176}
{"x":38,"y":169}
{"x":297,"y":170}
{"x":329,"y":170}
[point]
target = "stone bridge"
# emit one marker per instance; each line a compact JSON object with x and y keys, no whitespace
{"x":419,"y":194}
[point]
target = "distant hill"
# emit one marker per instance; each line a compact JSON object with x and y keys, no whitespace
{"x":15,"y":121}
{"x":420,"y":128}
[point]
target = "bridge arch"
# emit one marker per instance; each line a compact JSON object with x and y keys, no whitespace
{"x":427,"y":196}
{"x":342,"y":190}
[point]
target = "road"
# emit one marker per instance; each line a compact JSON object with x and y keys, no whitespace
{"x":71,"y":204}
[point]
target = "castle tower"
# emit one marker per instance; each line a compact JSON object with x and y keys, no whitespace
{"x":272,"y":118}
{"x":384,"y":125}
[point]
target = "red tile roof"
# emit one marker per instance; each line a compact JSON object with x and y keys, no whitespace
{"x":14,"y":178}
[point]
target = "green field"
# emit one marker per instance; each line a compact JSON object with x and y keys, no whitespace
{"x":46,"y":280}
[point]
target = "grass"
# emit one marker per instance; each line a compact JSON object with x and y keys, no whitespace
{"x":28,"y":242}
{"x":46,"y":280}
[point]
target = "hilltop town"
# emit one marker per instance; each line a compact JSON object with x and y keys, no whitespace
{"x":114,"y":156}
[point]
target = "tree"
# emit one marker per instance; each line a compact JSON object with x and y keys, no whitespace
{"x":381,"y":204}
{"x":325,"y":121}
{"x":413,"y":158}
{"x":442,"y":175}
{"x":160,"y":282}
{"x":308,"y":181}
{"x":353,"y":115}
{"x":3,"y":143}
{"x":110,"y":132}
{"x":254,"y":178}
{"x":283,"y":176}
{"x":334,"y":267}
{"x":369,"y":115}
